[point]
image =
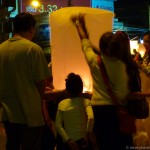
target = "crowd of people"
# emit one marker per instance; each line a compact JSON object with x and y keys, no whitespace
{"x":80,"y":122}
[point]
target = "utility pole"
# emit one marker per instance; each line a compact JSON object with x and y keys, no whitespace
{"x":149,"y":15}
{"x":3,"y":17}
{"x":5,"y":20}
{"x":69,"y":3}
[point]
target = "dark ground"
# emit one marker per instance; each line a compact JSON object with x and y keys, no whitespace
{"x":2,"y":137}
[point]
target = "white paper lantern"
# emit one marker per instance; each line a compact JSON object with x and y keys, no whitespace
{"x":67,"y":55}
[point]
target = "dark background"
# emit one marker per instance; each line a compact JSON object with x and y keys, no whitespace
{"x":133,"y":13}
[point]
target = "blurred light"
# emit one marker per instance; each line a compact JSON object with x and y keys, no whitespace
{"x":133,"y":45}
{"x":87,"y":84}
{"x":141,"y":49}
{"x":134,"y":38}
{"x":141,"y":41}
{"x":35,"y":3}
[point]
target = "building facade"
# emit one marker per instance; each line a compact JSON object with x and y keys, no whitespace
{"x":124,"y":10}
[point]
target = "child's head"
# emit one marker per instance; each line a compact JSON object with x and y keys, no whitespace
{"x":74,"y":85}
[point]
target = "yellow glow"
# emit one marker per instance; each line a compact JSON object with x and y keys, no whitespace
{"x":35,"y":3}
{"x":87,"y":84}
{"x":141,"y":49}
{"x":133,"y":45}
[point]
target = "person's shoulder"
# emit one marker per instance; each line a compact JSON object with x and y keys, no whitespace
{"x":111,"y":60}
{"x":29,"y":43}
{"x":63,"y":104}
{"x":120,"y":64}
{"x":64,"y":100}
{"x":33,"y":46}
{"x":3,"y":44}
{"x":117,"y":65}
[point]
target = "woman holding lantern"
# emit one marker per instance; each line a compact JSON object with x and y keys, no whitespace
{"x":106,"y":127}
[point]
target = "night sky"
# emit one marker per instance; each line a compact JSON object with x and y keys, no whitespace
{"x":133,"y":12}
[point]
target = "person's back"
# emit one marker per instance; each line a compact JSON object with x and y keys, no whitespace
{"x":75,"y":112}
{"x":103,"y":106}
{"x":17,"y":80}
{"x":114,"y":68}
{"x":106,"y":127}
{"x":23,"y":72}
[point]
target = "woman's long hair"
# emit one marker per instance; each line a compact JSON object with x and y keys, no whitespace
{"x":126,"y":57}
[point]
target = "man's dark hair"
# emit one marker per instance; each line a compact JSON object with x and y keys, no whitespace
{"x":74,"y":85}
{"x":23,"y":22}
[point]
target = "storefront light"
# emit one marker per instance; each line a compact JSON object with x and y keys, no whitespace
{"x":141,"y":49}
{"x":35,"y":3}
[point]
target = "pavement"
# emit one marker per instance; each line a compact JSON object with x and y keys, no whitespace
{"x":2,"y":137}
{"x":141,"y":140}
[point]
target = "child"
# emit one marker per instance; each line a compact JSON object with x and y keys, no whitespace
{"x":74,"y":119}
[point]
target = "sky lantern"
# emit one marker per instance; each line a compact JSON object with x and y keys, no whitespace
{"x":66,"y":52}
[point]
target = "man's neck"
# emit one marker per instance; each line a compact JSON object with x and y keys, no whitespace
{"x":25,"y":35}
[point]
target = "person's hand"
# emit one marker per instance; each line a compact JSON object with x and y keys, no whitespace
{"x":72,"y":144}
{"x":81,"y":18}
{"x":79,"y":21}
{"x":74,"y":18}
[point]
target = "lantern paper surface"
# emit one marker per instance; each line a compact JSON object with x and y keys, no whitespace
{"x":67,"y":55}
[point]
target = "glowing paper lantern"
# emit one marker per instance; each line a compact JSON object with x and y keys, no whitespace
{"x":67,"y":55}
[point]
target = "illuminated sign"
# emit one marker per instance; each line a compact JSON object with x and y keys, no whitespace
{"x":103,"y":4}
{"x":42,"y":8}
{"x":53,"y":5}
{"x":45,"y":6}
{"x":50,"y":5}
